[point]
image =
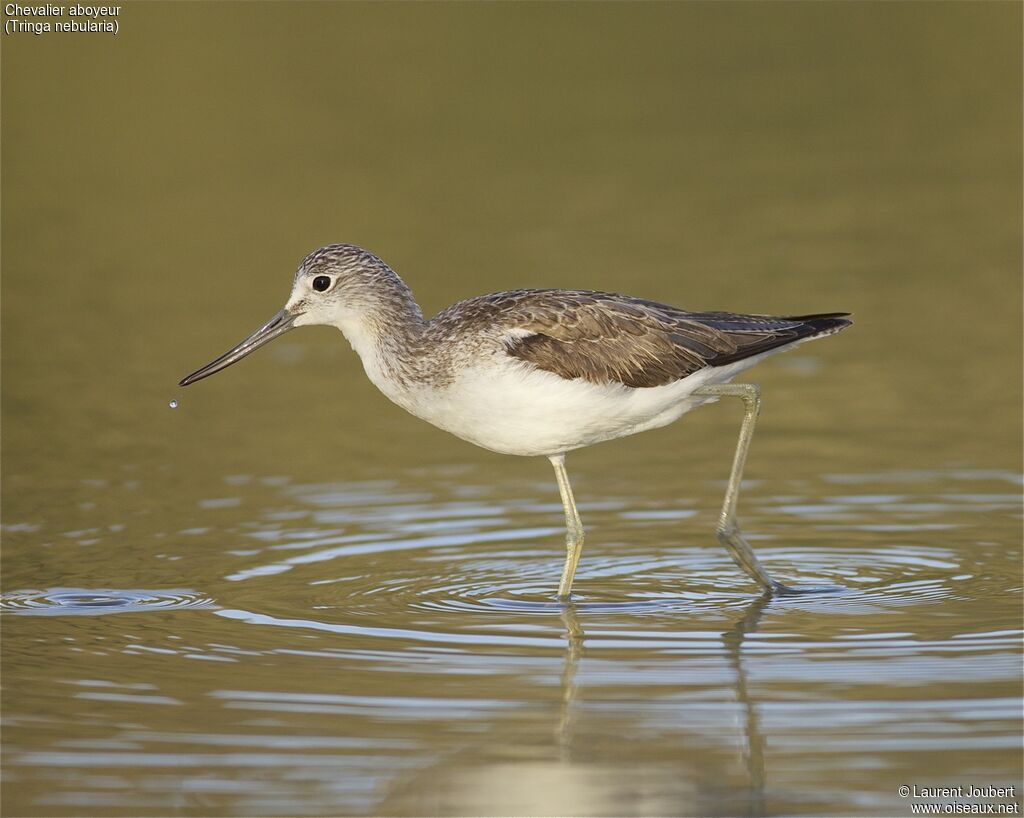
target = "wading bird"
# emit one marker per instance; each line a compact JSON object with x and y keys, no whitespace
{"x":541,"y":372}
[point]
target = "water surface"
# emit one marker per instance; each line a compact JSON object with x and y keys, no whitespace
{"x":286,"y":597}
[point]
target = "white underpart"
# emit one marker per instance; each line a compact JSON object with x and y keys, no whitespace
{"x":511,"y":407}
{"x":508,"y":406}
{"x":514,"y":408}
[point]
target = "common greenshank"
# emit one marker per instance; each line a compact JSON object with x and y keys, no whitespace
{"x":541,"y":372}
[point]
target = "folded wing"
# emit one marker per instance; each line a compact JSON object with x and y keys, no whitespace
{"x":605,"y":338}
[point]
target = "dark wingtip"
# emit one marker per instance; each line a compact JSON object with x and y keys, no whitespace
{"x":818,"y":325}
{"x":822,"y":323}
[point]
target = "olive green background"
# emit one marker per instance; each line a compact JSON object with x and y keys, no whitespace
{"x":160,"y":187}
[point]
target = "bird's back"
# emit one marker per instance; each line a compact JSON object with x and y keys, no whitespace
{"x":605,"y":338}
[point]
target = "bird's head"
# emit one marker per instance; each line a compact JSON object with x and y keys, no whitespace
{"x":339,"y":285}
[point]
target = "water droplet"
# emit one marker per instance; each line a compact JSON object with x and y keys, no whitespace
{"x":173,"y":404}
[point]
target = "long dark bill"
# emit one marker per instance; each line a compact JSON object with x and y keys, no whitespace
{"x":278,"y":325}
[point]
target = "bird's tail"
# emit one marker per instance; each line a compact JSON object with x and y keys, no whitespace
{"x":821,"y":324}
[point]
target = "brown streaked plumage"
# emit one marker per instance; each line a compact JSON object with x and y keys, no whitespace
{"x":609,"y":338}
{"x":541,"y":372}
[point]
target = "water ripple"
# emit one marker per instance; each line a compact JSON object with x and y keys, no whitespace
{"x":675,"y":580}
{"x":98,"y":601}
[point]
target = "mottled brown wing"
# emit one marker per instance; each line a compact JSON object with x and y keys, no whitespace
{"x":605,"y":338}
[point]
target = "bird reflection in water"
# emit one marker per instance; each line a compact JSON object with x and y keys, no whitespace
{"x":752,"y":801}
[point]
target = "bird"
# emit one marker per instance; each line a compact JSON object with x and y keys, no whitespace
{"x":542,"y":372}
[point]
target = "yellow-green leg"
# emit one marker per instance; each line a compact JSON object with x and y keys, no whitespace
{"x":728,"y":530}
{"x":573,"y":527}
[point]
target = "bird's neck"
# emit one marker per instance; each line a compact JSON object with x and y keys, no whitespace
{"x":387,"y":334}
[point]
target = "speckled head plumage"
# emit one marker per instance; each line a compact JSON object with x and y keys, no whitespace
{"x":341,"y":283}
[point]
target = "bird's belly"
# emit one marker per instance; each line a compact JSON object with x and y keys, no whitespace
{"x":516,"y":409}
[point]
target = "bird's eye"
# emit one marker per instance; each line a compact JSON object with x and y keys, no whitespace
{"x":321,"y":283}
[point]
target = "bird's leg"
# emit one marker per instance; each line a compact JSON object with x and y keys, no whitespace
{"x":573,"y":526}
{"x":728,"y":530}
